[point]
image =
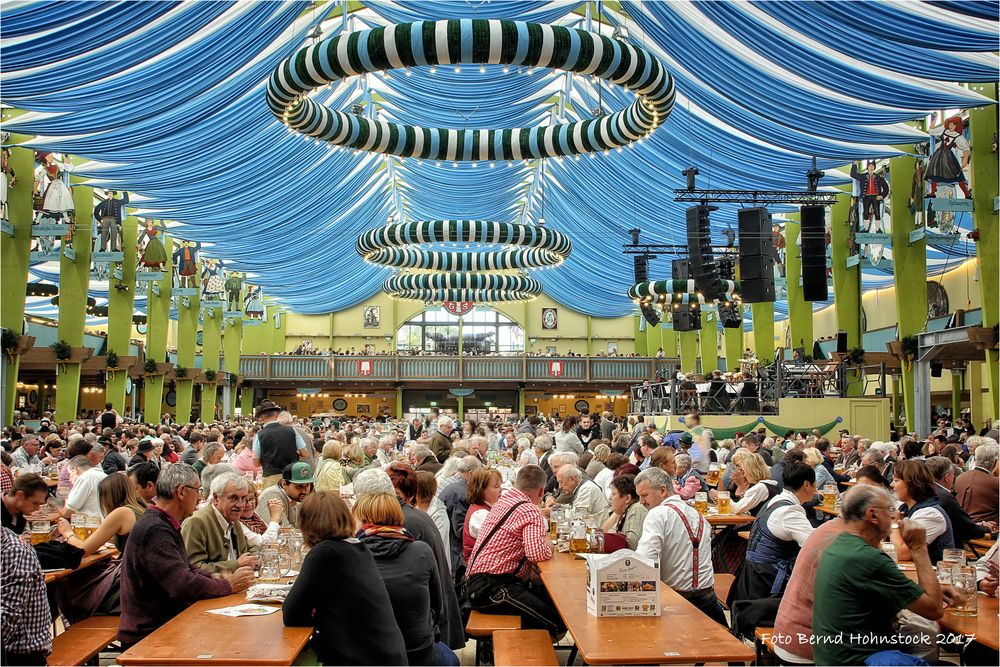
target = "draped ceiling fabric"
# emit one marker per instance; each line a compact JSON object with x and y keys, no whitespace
{"x":166,"y":100}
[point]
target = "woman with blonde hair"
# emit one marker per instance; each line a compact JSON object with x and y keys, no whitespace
{"x":330,"y":476}
{"x":409,"y":570}
{"x":596,"y":465}
{"x":353,"y":458}
{"x":814,"y":458}
{"x":759,"y":486}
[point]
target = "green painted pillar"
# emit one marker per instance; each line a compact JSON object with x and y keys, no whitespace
{"x":121,"y":296}
{"x":211,"y":342}
{"x":187,"y":341}
{"x":762,"y":316}
{"x":520,"y":401}
{"x":669,"y":338}
{"x":280,"y":327}
{"x":846,"y":280}
{"x":799,"y":310}
{"x":74,"y":284}
{"x":709,"y":340}
{"x":896,"y":398}
{"x":232,"y":339}
{"x":983,"y":129}
{"x":640,"y":338}
{"x":399,"y":402}
{"x":14,"y":251}
{"x":461,"y":408}
{"x":734,"y":348}
{"x":689,"y":350}
{"x":956,"y":392}
{"x":246,"y":401}
{"x":157,"y":324}
{"x":909,"y":269}
{"x":590,"y":334}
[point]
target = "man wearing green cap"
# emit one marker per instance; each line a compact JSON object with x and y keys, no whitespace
{"x":295,"y":484}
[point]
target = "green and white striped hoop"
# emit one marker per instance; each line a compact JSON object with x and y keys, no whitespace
{"x":391,"y":245}
{"x":471,"y":41}
{"x":676,"y":292}
{"x":452,"y":286}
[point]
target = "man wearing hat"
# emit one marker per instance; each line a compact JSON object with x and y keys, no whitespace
{"x":146,"y":452}
{"x":294,"y":484}
{"x":276,"y":445}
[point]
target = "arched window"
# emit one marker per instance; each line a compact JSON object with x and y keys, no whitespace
{"x":484,"y":331}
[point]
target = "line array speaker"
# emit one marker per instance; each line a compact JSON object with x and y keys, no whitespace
{"x":813,"y":237}
{"x":756,"y":255}
{"x":686,"y":318}
{"x":703,"y":266}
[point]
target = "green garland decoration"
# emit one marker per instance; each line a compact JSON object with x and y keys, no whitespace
{"x":724,"y":433}
{"x":391,"y":245}
{"x":471,"y":41}
{"x":822,"y":428}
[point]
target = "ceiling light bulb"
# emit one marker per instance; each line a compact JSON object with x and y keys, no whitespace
{"x":458,"y":67}
{"x":482,"y":69}
{"x":433,"y":68}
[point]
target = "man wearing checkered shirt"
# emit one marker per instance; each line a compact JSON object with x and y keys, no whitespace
{"x":24,"y":610}
{"x":502,"y":575}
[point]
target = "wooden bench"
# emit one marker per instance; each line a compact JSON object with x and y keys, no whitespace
{"x":723,"y":582}
{"x":81,"y":643}
{"x":482,"y":626}
{"x":523,"y":647}
{"x":764,"y":643}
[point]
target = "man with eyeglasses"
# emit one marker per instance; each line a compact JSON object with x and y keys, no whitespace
{"x":157,"y":579}
{"x":859,"y":589}
{"x":213,"y":535}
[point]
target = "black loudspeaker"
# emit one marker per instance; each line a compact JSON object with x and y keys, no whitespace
{"x":686,"y":318}
{"x":813,"y":237}
{"x":936,"y":368}
{"x":699,"y":237}
{"x":842,"y":342}
{"x":680,"y":269}
{"x":651,"y":315}
{"x":756,"y":255}
{"x":731,"y":315}
{"x":640,"y":268}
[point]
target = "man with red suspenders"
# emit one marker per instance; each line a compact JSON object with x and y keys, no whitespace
{"x":680,"y":539}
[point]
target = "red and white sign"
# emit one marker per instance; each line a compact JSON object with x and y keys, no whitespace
{"x":366,"y":366}
{"x":459,"y":308}
{"x":555,"y":368}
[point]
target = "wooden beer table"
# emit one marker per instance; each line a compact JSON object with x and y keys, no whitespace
{"x":983,"y":628}
{"x":729,"y":519}
{"x":681,"y":634}
{"x":196,"y":637}
{"x":827,"y":510}
{"x":92,"y":559}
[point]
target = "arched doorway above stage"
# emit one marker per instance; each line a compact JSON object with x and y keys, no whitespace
{"x":483,"y":330}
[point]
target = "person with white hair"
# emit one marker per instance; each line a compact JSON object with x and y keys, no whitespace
{"x":977,"y":490}
{"x":386,"y":450}
{"x":441,"y":440}
{"x":213,"y":536}
{"x":586,"y":496}
{"x":455,"y":497}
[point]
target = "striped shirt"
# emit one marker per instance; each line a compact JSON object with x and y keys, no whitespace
{"x":523,"y":537}
{"x":24,"y":609}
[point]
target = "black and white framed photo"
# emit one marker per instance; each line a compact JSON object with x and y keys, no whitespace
{"x":550,"y":318}
{"x":373,"y":317}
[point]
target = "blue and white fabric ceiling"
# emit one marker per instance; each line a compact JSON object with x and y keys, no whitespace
{"x":165,"y":100}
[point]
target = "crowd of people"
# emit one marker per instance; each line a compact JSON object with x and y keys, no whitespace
{"x":409,"y":524}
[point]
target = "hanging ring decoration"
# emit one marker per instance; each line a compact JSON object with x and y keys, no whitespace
{"x":678,"y":292}
{"x":471,"y":41}
{"x":462,"y":287}
{"x":391,"y":245}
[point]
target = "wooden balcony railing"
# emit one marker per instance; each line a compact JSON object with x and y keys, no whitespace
{"x":609,"y":370}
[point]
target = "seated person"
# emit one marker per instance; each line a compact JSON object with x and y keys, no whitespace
{"x":914,"y":487}
{"x":83,"y":497}
{"x":585,"y":495}
{"x":157,"y":578}
{"x":213,"y":535}
{"x":295,"y":484}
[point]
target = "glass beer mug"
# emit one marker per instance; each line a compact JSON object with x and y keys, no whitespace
{"x":724,"y":503}
{"x":271,"y":569}
{"x":40,"y":532}
{"x":830,"y":496}
{"x":964,"y":578}
{"x":713,"y":474}
{"x":701,"y":502}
